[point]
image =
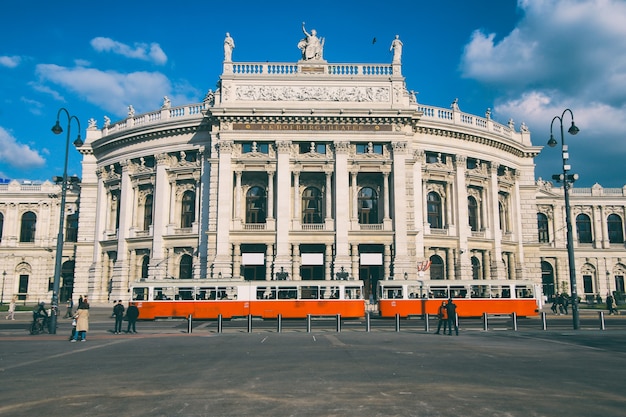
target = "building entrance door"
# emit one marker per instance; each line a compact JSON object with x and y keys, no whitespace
{"x":370,"y":274}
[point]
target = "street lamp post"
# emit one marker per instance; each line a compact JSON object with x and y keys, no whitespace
{"x":57,"y":129}
{"x":567,"y":180}
{"x":4,"y":276}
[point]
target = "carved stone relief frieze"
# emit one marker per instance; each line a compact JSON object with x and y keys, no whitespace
{"x":305,"y":93}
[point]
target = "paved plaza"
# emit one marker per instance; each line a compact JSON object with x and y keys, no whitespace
{"x":165,"y":371}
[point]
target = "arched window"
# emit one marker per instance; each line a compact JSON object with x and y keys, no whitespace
{"x":256,"y":202}
{"x":311,"y":206}
{"x":436,"y":267}
{"x":542,"y":227}
{"x":476,"y":268}
{"x":368,"y":206}
{"x":28,"y":227}
{"x":71,"y":228}
{"x":434,"y":210}
{"x":185,"y":269}
{"x":145,"y":262}
{"x":188,"y":209}
{"x":1,"y":225}
{"x":616,"y":231}
{"x":504,"y":221}
{"x":147,"y":212}
{"x":472,"y":211}
{"x":583,"y":228}
{"x":547,"y":280}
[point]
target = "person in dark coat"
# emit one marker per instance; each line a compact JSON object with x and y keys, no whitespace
{"x":451,"y":308}
{"x":442,"y":314}
{"x":118,"y":313}
{"x":131,"y":315}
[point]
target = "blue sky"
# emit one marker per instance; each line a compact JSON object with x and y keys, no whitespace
{"x":527,"y":60}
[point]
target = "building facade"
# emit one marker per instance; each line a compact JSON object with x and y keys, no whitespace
{"x":29,"y":225}
{"x":314,"y":170}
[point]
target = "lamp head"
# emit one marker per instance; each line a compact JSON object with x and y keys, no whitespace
{"x":552,"y":142}
{"x":573,"y":129}
{"x":78,"y":142}
{"x":57,"y":129}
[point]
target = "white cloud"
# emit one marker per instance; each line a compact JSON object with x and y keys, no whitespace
{"x":111,"y":90}
{"x":16,"y":154}
{"x":10,"y":61}
{"x":142,"y":51}
{"x":561,"y":54}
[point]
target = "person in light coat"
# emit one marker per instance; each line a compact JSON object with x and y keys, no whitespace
{"x":82,"y":321}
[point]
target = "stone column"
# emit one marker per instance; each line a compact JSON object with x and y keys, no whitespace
{"x":223,"y":259}
{"x":342,"y":206}
{"x":283,"y":190}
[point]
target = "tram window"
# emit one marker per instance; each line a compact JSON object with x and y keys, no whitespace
{"x":522,"y":291}
{"x":499,"y":291}
{"x":164,"y":293}
{"x":226,"y":293}
{"x":439,"y":292}
{"x":185,"y":294}
{"x":266,"y":293}
{"x":353,"y":293}
{"x":329,"y":292}
{"x":308,"y":293}
{"x":204,"y":293}
{"x":393,"y":292}
{"x":479,"y":291}
{"x":415,"y":291}
{"x":287,"y":293}
{"x":458,"y":292}
{"x":140,"y":294}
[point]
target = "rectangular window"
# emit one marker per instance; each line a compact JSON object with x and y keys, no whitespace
{"x":587,"y":284}
{"x":371,"y":148}
{"x":252,"y":147}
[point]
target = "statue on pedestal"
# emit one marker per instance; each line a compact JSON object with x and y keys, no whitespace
{"x":311,"y":46}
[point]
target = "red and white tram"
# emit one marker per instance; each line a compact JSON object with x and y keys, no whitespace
{"x":266,"y":299}
{"x":472,"y":297}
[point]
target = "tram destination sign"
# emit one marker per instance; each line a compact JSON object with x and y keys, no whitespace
{"x":322,"y":127}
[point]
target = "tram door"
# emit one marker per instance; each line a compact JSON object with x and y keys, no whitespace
{"x":370,"y":274}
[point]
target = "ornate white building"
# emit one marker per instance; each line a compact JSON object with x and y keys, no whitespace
{"x":311,"y":169}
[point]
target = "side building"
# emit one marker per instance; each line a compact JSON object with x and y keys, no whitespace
{"x":29,"y":224}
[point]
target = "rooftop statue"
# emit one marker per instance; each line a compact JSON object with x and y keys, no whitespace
{"x":229,"y":45}
{"x":396,"y":47}
{"x":311,"y":46}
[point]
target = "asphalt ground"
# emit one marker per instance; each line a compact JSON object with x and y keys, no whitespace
{"x":166,"y":371}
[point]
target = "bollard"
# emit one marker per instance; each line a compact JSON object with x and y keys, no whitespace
{"x":219,"y":323}
{"x":368,"y":324}
{"x":397,"y":322}
{"x":485,"y":322}
{"x":249,"y":323}
{"x":514,"y":317}
{"x":601,"y":315}
{"x":308,"y":323}
{"x":338,"y":323}
{"x":426,"y":323}
{"x":544,"y":324}
{"x":279,"y":323}
{"x":189,"y":327}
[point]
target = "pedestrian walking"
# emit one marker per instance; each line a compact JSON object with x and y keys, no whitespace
{"x":11,"y":311}
{"x":118,"y":313}
{"x":131,"y":315}
{"x":69,"y":311}
{"x":442,"y":314}
{"x":611,"y":305}
{"x":451,"y":308}
{"x":82,"y":320}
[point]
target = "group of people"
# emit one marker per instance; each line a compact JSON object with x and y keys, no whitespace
{"x":447,"y":317}
{"x":132,"y":313}
{"x":560,"y":304}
